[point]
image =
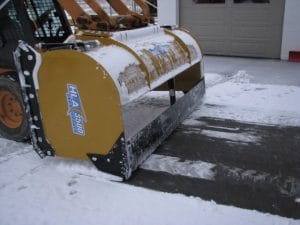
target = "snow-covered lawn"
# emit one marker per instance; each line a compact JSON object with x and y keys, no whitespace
{"x":58,"y":191}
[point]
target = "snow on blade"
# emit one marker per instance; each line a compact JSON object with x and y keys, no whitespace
{"x":173,"y":165}
{"x":105,"y":57}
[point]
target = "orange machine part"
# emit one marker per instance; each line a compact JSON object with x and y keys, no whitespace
{"x":11,"y":114}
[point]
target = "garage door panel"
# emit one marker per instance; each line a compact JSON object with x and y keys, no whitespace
{"x":243,"y":16}
{"x":219,"y":33}
{"x":205,"y":16}
{"x":253,"y":32}
{"x":210,"y":46}
{"x":244,"y":29}
{"x":254,"y":48}
{"x":249,"y":46}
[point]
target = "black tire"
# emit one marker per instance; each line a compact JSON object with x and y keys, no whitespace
{"x":20,"y":130}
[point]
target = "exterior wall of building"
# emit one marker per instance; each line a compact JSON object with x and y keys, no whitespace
{"x":235,"y":27}
{"x":212,"y":28}
{"x":291,"y":28}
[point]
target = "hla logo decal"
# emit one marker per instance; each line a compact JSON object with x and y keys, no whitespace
{"x":75,"y":110}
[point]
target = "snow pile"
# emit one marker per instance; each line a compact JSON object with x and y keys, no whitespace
{"x":212,"y":79}
{"x":238,"y":99}
{"x":57,"y":191}
{"x":241,"y":77}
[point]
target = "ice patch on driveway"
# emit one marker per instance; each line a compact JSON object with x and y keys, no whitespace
{"x":237,"y":137}
{"x":193,"y":122}
{"x":173,"y":165}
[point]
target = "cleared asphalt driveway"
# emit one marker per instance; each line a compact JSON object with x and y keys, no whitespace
{"x":242,"y":146}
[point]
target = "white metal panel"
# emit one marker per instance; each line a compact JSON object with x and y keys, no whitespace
{"x":168,"y":12}
{"x":291,"y":28}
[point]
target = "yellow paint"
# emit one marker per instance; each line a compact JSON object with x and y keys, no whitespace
{"x":109,"y":41}
{"x":99,"y":96}
{"x":195,"y":38}
{"x":181,"y":44}
{"x":184,"y":81}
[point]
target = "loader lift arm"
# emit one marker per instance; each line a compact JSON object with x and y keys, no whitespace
{"x":126,"y":19}
{"x":122,"y":9}
{"x":101,"y":21}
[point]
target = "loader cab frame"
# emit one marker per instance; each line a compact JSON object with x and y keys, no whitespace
{"x":34,"y":22}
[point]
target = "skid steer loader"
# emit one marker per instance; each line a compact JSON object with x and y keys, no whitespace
{"x":90,"y":94}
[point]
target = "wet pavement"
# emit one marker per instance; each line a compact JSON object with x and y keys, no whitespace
{"x":263,"y":175}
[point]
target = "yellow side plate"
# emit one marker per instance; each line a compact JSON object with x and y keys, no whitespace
{"x":79,"y":104}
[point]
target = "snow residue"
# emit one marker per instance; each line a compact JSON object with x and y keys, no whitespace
{"x":10,"y":149}
{"x":56,"y":191}
{"x":173,"y":165}
{"x":151,"y":38}
{"x":105,"y":55}
{"x":268,"y":97}
{"x":238,"y":137}
{"x":241,"y":77}
{"x":237,"y":99}
{"x":212,"y":79}
{"x":150,"y":44}
{"x":188,"y":40}
{"x":192,"y":122}
{"x":146,"y":41}
{"x":224,"y":128}
{"x":115,"y":60}
{"x":131,"y":35}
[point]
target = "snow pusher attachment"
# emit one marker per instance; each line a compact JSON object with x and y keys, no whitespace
{"x":86,"y":99}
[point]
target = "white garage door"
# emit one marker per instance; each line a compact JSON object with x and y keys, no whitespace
{"x":235,"y":27}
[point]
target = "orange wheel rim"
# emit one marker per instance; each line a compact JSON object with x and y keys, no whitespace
{"x":11,"y":113}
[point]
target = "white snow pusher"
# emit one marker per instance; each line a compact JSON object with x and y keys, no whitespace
{"x":85,"y":97}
